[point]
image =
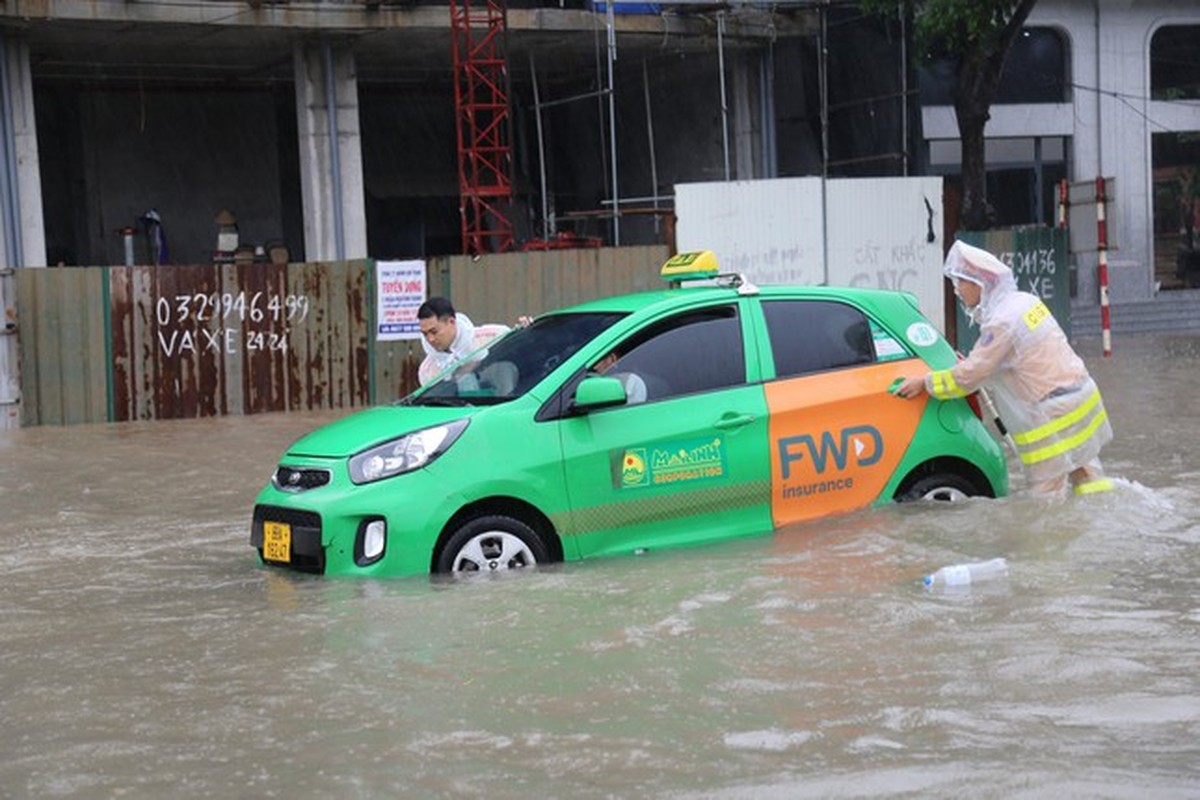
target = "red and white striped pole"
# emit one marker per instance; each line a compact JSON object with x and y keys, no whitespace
{"x":1064,"y":198}
{"x":1102,"y":249}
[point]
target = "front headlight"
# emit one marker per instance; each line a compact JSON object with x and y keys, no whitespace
{"x":405,"y":454}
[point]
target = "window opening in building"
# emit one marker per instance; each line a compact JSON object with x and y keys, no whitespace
{"x":1175,"y":63}
{"x":1175,"y":159}
{"x":1022,"y":175}
{"x":1034,"y":72}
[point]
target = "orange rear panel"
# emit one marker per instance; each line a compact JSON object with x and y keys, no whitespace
{"x":837,"y":437}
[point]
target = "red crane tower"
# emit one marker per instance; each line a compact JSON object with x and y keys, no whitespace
{"x":481,"y":105}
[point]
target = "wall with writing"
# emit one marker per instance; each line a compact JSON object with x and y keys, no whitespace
{"x":866,"y":232}
{"x":1038,"y":257}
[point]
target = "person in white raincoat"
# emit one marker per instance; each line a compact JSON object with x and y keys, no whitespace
{"x":448,"y":336}
{"x":1041,"y":388}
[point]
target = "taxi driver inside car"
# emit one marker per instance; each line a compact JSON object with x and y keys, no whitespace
{"x":752,"y":408}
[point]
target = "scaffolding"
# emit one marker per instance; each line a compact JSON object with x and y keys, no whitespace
{"x":481,"y":105}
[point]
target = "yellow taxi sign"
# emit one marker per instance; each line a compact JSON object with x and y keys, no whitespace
{"x":693,"y":266}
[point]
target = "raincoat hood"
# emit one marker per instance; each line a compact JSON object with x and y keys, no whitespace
{"x":967,"y":263}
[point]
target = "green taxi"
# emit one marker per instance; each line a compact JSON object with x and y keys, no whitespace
{"x":634,"y":423}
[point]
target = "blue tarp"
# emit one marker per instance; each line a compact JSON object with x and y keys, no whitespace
{"x":627,"y":8}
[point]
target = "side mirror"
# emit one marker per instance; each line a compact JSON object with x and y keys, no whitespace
{"x":597,"y":391}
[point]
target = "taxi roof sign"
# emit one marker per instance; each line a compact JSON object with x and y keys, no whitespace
{"x":698,"y":265}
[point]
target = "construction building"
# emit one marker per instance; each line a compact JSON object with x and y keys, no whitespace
{"x":331,"y":130}
{"x":191,"y":108}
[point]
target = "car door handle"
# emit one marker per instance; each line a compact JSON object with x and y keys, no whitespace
{"x":730,"y":421}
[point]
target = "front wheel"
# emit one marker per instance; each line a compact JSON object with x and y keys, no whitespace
{"x":492,"y":544}
{"x":944,"y":486}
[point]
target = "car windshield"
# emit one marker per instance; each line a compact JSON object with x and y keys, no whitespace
{"x":512,"y":365}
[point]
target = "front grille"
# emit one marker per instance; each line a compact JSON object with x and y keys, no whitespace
{"x":299,"y":479}
{"x":307,"y":553}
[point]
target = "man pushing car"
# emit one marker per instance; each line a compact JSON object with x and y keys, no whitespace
{"x":448,"y":336}
{"x":1041,"y":387}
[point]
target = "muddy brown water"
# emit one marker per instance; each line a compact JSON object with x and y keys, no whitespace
{"x":145,"y":653}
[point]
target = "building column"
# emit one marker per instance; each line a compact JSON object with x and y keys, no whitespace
{"x":1111,"y":139}
{"x":21,"y":226}
{"x":331,"y":174}
{"x":21,"y":229}
{"x":747,"y":118}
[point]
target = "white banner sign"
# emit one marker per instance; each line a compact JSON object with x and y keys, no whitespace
{"x":399,"y":291}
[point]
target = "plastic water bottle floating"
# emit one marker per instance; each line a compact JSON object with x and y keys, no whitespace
{"x":964,"y":574}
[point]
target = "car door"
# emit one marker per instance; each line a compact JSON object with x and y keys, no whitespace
{"x":836,"y":435}
{"x":688,"y":463}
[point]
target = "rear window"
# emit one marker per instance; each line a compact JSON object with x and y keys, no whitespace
{"x":815,"y":335}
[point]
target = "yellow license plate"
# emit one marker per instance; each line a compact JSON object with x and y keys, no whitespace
{"x":277,"y":541}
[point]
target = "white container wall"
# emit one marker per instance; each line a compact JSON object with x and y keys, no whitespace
{"x":866,"y":232}
{"x":768,"y":230}
{"x":886,"y":233}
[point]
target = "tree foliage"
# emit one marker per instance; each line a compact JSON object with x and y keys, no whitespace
{"x":951,"y":27}
{"x":978,"y":35}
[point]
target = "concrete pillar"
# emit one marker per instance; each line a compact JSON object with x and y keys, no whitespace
{"x":1124,"y":148}
{"x":746,"y":124}
{"x":19,"y":160}
{"x":21,"y":229}
{"x":331,"y":177}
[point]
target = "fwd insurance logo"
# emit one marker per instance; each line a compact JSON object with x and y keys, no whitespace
{"x":857,"y":446}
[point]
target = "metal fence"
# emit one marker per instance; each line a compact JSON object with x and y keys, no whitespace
{"x":112,"y":344}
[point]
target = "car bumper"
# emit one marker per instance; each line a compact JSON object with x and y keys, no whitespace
{"x":325,"y":526}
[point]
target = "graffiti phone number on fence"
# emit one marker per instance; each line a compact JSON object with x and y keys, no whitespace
{"x":226,"y":308}
{"x":222,"y":305}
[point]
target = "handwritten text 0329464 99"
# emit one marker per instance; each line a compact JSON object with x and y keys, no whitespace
{"x":191,"y":317}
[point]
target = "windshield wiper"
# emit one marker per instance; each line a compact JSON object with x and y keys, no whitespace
{"x":441,"y":401}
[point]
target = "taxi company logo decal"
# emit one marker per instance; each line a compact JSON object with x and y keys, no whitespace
{"x":921,"y":334}
{"x":693,"y":460}
{"x":633,"y":467}
{"x":862,"y":442}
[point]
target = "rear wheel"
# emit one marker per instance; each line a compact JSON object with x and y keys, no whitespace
{"x":492,"y":544}
{"x":946,"y":487}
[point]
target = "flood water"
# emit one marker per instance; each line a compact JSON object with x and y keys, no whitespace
{"x":145,"y":654}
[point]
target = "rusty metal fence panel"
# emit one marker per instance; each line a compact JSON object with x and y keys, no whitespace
{"x":124,"y":343}
{"x":10,"y":387}
{"x":206,"y":340}
{"x":137,"y":343}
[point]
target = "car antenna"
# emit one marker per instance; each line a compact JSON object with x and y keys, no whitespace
{"x":737,"y":280}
